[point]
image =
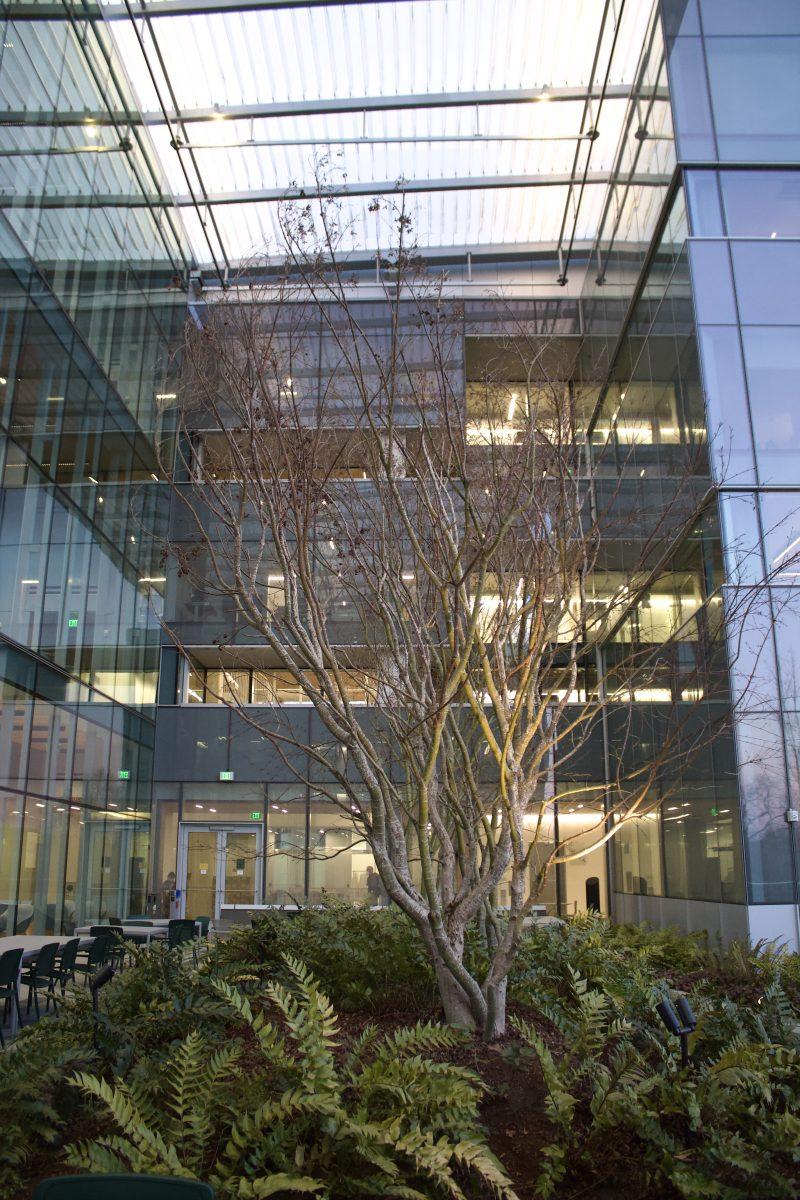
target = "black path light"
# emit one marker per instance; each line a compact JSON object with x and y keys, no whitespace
{"x":680,"y":1020}
{"x":103,"y":976}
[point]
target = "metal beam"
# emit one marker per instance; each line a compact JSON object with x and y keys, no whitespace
{"x":323,"y":107}
{"x":312,"y":192}
{"x":169,"y":8}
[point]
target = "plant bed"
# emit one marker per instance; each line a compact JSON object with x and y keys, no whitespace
{"x":582,"y":1097}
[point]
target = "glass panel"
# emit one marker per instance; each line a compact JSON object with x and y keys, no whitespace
{"x":227,"y":687}
{"x":772,"y":361}
{"x":742,"y":16}
{"x":761,"y":203}
{"x":712,"y":284}
{"x":780,"y":516}
{"x":755,"y":95}
{"x":286,"y":845}
{"x":689,"y":95}
{"x":341,"y":863}
{"x":201,"y":873}
{"x":762,"y":783}
{"x":726,"y":398}
{"x":637,"y":849}
{"x":767,"y":281}
{"x":702,"y":192}
{"x":584,"y":883}
{"x":242,"y":867}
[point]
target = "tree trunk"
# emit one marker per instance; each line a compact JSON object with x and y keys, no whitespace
{"x":455,"y":1001}
{"x":495,"y":1024}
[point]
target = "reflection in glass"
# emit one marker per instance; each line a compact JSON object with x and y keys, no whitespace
{"x":762,"y":784}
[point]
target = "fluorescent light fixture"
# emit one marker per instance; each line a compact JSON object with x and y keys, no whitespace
{"x":166,"y":395}
{"x":153,"y":579}
{"x":512,"y":405}
{"x":92,"y":479}
{"x":31,"y":581}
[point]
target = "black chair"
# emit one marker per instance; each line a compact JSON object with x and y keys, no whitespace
{"x":115,"y":950}
{"x":65,"y":963}
{"x":41,"y":976}
{"x":179,"y":933}
{"x":9,"y":979}
{"x":122,"y":1187}
{"x":96,"y":955}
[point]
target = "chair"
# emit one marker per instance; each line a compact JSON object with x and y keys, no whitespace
{"x":65,"y":963}
{"x":122,"y":1187}
{"x":41,"y":975}
{"x":204,"y":923}
{"x":179,"y":933}
{"x":9,"y":978}
{"x":97,"y":954}
{"x":115,"y":951}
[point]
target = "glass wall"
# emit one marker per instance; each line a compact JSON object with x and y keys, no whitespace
{"x":733,"y":70}
{"x":89,"y":302}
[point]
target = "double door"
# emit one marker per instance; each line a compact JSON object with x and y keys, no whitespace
{"x":218,"y":865}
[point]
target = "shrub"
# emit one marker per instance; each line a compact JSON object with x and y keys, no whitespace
{"x":367,"y":961}
{"x":386,"y":1121}
{"x":727,"y":1126}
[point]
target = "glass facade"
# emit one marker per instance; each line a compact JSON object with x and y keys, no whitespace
{"x":127,"y":781}
{"x":87,"y":308}
{"x":744,"y":253}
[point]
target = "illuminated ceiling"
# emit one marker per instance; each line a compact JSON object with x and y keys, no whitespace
{"x":500,"y":121}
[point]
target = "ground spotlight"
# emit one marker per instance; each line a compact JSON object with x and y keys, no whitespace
{"x":681,"y":1022}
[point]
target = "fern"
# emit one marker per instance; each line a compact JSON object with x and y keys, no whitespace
{"x":388,"y":1122}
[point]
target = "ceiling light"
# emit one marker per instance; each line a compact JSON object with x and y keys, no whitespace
{"x":544,"y":94}
{"x":773,"y":234}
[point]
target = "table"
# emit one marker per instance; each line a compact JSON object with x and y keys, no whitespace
{"x":30,"y":945}
{"x":134,"y":933}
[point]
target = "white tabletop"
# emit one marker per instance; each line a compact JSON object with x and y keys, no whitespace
{"x":130,"y":931}
{"x":31,"y":944}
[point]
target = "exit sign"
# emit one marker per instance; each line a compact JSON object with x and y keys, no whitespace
{"x":255,"y":816}
{"x":72,"y":623}
{"x":225,"y":776}
{"x":123,"y":774}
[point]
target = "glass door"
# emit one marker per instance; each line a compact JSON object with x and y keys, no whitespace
{"x":217,"y":867}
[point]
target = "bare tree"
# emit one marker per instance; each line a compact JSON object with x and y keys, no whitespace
{"x":472,"y":566}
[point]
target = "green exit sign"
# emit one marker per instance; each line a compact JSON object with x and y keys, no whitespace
{"x":123,"y":774}
{"x":72,"y":623}
{"x":255,"y":816}
{"x":715,"y":812}
{"x":226,"y":776}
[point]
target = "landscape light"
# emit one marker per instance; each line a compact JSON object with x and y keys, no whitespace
{"x":679,"y":1020}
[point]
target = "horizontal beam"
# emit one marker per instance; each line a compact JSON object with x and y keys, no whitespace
{"x":315,"y":108}
{"x":312,"y":192}
{"x":168,"y":8}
